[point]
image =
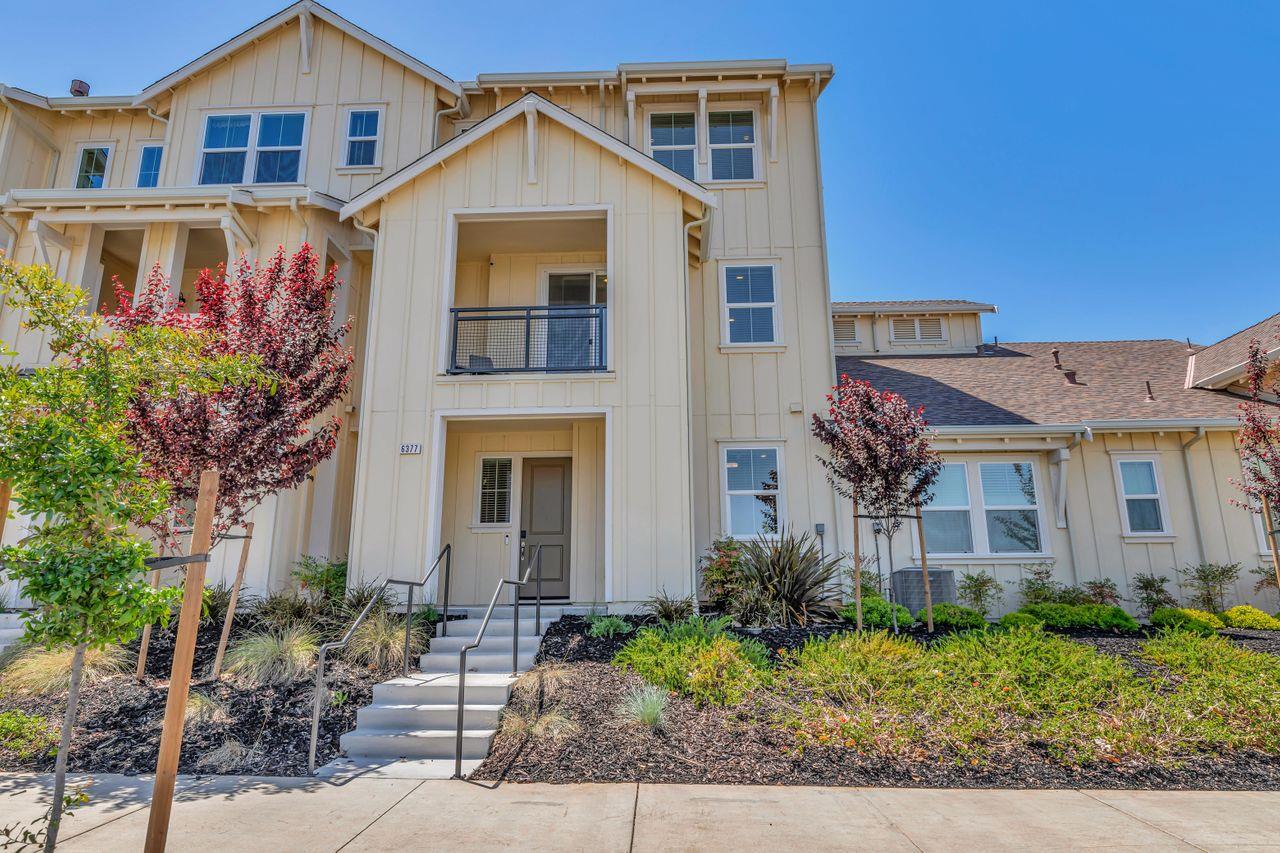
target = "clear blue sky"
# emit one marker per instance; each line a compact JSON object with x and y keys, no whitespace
{"x":1096,"y":169}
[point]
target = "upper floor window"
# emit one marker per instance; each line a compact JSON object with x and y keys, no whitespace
{"x":274,"y":147}
{"x":732,"y":136}
{"x":673,"y":141}
{"x":750,"y":304}
{"x":923,"y":329}
{"x":731,"y":141}
{"x":363,"y":128}
{"x":1141,"y":496}
{"x":984,"y":508}
{"x":91,"y":171}
{"x":149,"y":165}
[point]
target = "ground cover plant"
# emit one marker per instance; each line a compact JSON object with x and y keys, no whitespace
{"x":954,"y":617}
{"x":878,"y":614}
{"x":1100,"y":617}
{"x":698,"y":658}
{"x":1187,"y":619}
{"x":1244,"y":616}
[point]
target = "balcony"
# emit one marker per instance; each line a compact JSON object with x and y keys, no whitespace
{"x":528,"y":339}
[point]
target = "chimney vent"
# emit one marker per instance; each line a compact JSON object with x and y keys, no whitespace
{"x":1057,"y":359}
{"x":1070,"y":377}
{"x":79,"y":88}
{"x":1151,"y":398}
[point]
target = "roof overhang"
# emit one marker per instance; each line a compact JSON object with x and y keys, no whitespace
{"x":510,"y":112}
{"x":154,"y":204}
{"x":1228,"y":376}
{"x":1085,"y":427}
{"x":887,"y":308}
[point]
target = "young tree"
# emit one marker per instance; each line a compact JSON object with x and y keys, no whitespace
{"x":64,"y":448}
{"x":879,"y":455}
{"x":1259,"y":439}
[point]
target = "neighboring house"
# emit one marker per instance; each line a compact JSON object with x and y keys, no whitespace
{"x":1104,"y":458}
{"x":591,"y":308}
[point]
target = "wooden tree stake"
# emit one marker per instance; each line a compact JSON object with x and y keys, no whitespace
{"x":183,"y":654}
{"x":857,"y":565}
{"x":231,"y":605}
{"x":141,"y":671}
{"x":1269,"y":520}
{"x":924,"y":571}
{"x":6,"y":492}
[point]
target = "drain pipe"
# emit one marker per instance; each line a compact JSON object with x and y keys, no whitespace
{"x":688,"y":366}
{"x":462,"y":109}
{"x":1191,"y":489}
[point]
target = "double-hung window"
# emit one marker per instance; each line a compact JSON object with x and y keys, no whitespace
{"x":751,"y":480}
{"x":732,"y":137}
{"x":494,"y":500}
{"x":750,"y":300}
{"x":985,"y":508}
{"x":673,"y":141}
{"x":1143,"y":509}
{"x":149,"y":165}
{"x":266,"y":145}
{"x":362,"y":137}
{"x":279,"y":155}
{"x":91,"y":169}
{"x":226,"y":149}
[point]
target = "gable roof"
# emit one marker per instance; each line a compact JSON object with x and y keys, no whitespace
{"x":1220,"y":364}
{"x":279,"y":19}
{"x":516,"y":108}
{"x":913,"y":306}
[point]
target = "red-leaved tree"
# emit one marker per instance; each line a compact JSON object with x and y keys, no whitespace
{"x":879,"y":455}
{"x":262,"y":440}
{"x":1259,"y":441}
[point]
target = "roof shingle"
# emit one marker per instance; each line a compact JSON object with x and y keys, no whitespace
{"x":1233,"y":350}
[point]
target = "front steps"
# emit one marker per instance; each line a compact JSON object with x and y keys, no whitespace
{"x":410,"y":729}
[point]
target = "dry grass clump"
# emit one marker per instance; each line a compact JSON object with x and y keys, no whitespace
{"x":273,"y":657}
{"x":379,"y":641}
{"x":38,"y":672}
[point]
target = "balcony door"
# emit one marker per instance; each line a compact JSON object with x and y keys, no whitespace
{"x":573,"y":340}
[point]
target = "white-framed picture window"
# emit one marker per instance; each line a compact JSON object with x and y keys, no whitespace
{"x":920,"y":329}
{"x":673,"y":141}
{"x":493,"y":492}
{"x":733,"y":143}
{"x":750,"y":304}
{"x":986,"y":508}
{"x":92,"y":165}
{"x":364,"y":137}
{"x":751,"y":482}
{"x":149,"y":159}
{"x":948,"y":520}
{"x":1144,"y":510}
{"x":260,"y":148}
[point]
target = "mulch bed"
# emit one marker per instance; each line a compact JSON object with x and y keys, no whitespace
{"x":739,"y":746}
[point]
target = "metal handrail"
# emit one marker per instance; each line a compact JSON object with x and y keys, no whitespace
{"x":446,"y":554}
{"x":522,"y":358}
{"x":515,"y":641}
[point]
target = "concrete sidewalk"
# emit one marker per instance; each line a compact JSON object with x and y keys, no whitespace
{"x":248,"y":813}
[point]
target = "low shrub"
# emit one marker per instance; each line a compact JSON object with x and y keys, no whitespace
{"x":1150,"y":594}
{"x":978,"y":591}
{"x":697,"y":658}
{"x":287,"y":609}
{"x":1244,"y":616}
{"x":320,"y":578}
{"x":39,"y":672}
{"x":645,"y":706}
{"x":1017,"y":619}
{"x":1186,"y":619}
{"x":277,"y":657}
{"x":851,"y":667}
{"x":1084,"y":616}
{"x":720,"y":567}
{"x":214,"y":601}
{"x":27,"y":735}
{"x":1101,"y":591}
{"x":608,"y":626}
{"x":784,"y":581}
{"x":953,"y":617}
{"x":1038,"y":587}
{"x":1208,"y":583}
{"x":358,"y":596}
{"x":664,"y":607}
{"x":378,"y":641}
{"x":877,"y":614}
{"x":721,"y":673}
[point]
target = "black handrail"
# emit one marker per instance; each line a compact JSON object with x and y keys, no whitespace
{"x":515,"y":642}
{"x":446,"y":554}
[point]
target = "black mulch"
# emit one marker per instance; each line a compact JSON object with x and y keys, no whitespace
{"x":740,"y":746}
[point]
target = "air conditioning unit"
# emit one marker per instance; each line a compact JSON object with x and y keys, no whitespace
{"x":908,"y":587}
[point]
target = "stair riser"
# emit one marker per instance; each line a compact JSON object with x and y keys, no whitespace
{"x":550,"y":612}
{"x":466,"y":628}
{"x":477,"y":694}
{"x":375,"y":746}
{"x":435,"y":718}
{"x":476,"y":662}
{"x":489,"y":645}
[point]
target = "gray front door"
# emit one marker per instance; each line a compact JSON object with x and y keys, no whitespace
{"x":544,"y":520}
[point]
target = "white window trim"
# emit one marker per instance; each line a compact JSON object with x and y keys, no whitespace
{"x":251,"y":151}
{"x":702,"y":137}
{"x":735,"y":107}
{"x":108,"y":144}
{"x":376,"y":165}
{"x":476,"y":523}
{"x":726,"y":523}
{"x":545,"y":271}
{"x":725,"y":342}
{"x":977,"y":506}
{"x":143,"y":145}
{"x":915,"y":322}
{"x":690,"y":109}
{"x":1162,"y":495}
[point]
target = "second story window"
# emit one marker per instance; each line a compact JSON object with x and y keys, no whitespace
{"x":226,"y":146}
{"x":149,"y":165}
{"x":271,"y":142}
{"x":91,"y":171}
{"x":279,"y":148}
{"x":750,"y":302}
{"x":362,"y":137}
{"x":732,"y":137}
{"x":673,"y":141}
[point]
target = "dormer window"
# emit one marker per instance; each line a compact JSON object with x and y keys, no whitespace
{"x":917,"y":330}
{"x":732,"y":136}
{"x":673,"y":141}
{"x":272,"y":142}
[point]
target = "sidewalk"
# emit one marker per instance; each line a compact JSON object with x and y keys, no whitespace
{"x":250,"y":813}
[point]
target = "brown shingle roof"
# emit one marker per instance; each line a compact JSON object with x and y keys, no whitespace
{"x":912,"y":306}
{"x":1234,"y":350}
{"x":1018,"y":384}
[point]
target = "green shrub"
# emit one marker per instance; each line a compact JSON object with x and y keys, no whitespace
{"x":721,"y":673}
{"x":1150,"y":595}
{"x":877,"y":614}
{"x":645,"y":706}
{"x":1065,"y":616}
{"x":379,"y":641}
{"x":320,"y":578}
{"x":27,"y":735}
{"x":1038,"y":587}
{"x":953,"y":617}
{"x":784,"y":581}
{"x":273,"y":657}
{"x":608,"y":626}
{"x":1018,"y":619}
{"x":359,"y":595}
{"x":39,"y":672}
{"x":668,"y":608}
{"x":1244,"y":616}
{"x":978,"y":591}
{"x":1208,"y":583}
{"x":214,"y":601}
{"x":720,"y":571}
{"x":1101,"y":591}
{"x":1186,"y":619}
{"x":851,"y":667}
{"x":697,"y":658}
{"x":287,"y":609}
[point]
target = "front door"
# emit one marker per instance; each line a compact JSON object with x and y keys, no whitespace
{"x":544,"y":520}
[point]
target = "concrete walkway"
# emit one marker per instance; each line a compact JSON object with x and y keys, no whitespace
{"x":247,"y":813}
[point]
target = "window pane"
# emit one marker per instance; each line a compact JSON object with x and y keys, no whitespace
{"x":277,"y":167}
{"x":752,"y":469}
{"x":1144,"y":515}
{"x":750,"y":515}
{"x":1013,"y":530}
{"x":149,"y":166}
{"x":227,"y":132}
{"x":951,"y":487}
{"x":222,"y":168}
{"x":361,"y":153}
{"x":495,"y":491}
{"x":93,"y":169}
{"x":280,"y":130}
{"x":947,"y":531}
{"x":672,"y":129}
{"x":730,"y":128}
{"x":363,"y":123}
{"x":732,"y":164}
{"x":1008,"y":484}
{"x":748,"y":284}
{"x":678,"y":160}
{"x":569,"y":288}
{"x":750,"y":325}
{"x":1139,"y":477}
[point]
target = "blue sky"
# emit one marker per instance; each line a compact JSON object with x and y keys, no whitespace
{"x":1096,"y":169}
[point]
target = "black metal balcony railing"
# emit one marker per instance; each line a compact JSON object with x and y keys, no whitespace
{"x":528,"y":339}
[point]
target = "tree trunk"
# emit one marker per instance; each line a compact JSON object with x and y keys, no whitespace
{"x":64,"y":746}
{"x":1268,"y":519}
{"x":857,"y":565}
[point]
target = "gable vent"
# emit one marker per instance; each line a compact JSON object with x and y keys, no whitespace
{"x":904,"y":330}
{"x":845,"y":330}
{"x":930,"y":328}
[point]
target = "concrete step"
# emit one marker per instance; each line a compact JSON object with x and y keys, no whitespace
{"x":411,"y":716}
{"x":13,"y":619}
{"x":343,"y":769}
{"x":550,"y":612}
{"x":442,"y":688}
{"x":479,"y":661}
{"x":490,"y":644}
{"x":497,"y":627}
{"x":415,"y":743}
